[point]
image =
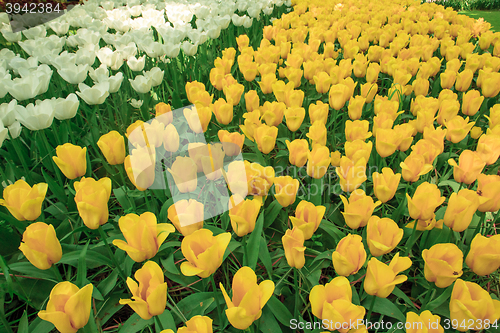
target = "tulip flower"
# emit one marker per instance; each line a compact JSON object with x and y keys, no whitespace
{"x":484,"y":255}
{"x":464,"y":80}
{"x":92,"y":200}
{"x":337,"y":96}
{"x":294,"y":98}
{"x":335,"y":158}
{"x":323,"y":81}
{"x":183,"y":170}
{"x":413,"y":167}
{"x":259,"y":178}
{"x":357,"y":149}
{"x":461,"y":208}
{"x":490,"y":85}
{"x":458,"y":128}
{"x":382,"y":235}
{"x":212,"y":164}
{"x":71,"y":160}
{"x":223,"y":111}
{"x":93,"y":95}
{"x":351,"y":173}
{"x":243,"y":214}
{"x":265,"y":137}
{"x":232,"y":143}
{"x":357,"y":129}
{"x":425,"y":322}
{"x":355,"y":107}
{"x":448,"y":78}
{"x":488,"y":147}
{"x":349,"y":256}
{"x":421,"y":87}
{"x":443,"y":264}
{"x":470,"y":303}
{"x":489,"y":187}
{"x":36,"y":117}
{"x":186,"y":215}
{"x":436,"y":137}
{"x":143,"y":235}
{"x":286,"y":190}
{"x":294,"y":117}
{"x":252,"y":101}
{"x":469,"y":167}
{"x":293,"y":244}
{"x":198,"y":118}
{"x":248,"y":298}
{"x":358,"y":209}
{"x":298,"y":150}
{"x":425,"y":200}
{"x":112,"y":146}
{"x":204,"y":252}
{"x":307,"y":218}
{"x":318,"y":111}
{"x":426,"y":149}
{"x":471,"y":103}
{"x":318,"y":161}
{"x":66,"y":108}
{"x":333,"y":304}
{"x":198,"y":324}
{"x":385,"y":184}
{"x":68,"y":307}
{"x":171,"y":139}
{"x":40,"y":245}
{"x":266,"y":83}
{"x":140,"y":167}
{"x":149,"y":296}
{"x":368,"y":91}
{"x":23,"y":201}
{"x":317,"y":133}
{"x":381,"y":279}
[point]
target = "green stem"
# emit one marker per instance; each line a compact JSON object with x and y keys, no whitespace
{"x":412,"y":239}
{"x":428,"y":297}
{"x":57,"y":274}
{"x":370,"y":309}
{"x":111,"y":254}
{"x":296,"y":286}
{"x":132,"y":202}
{"x":158,"y":322}
{"x":174,"y":306}
{"x":244,"y":243}
{"x":49,"y":149}
{"x":147,"y":201}
{"x":17,"y":148}
{"x":214,"y":290}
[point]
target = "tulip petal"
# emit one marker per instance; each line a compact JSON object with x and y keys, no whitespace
{"x":59,"y":319}
{"x":239,"y":319}
{"x":139,"y":306}
{"x":78,"y":306}
{"x":189,"y":270}
{"x":157,"y":300}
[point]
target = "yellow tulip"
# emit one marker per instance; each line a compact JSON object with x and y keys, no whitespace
{"x":484,"y":255}
{"x":351,"y":173}
{"x":458,"y":128}
{"x":40,"y":245}
{"x":464,"y":80}
{"x":307,"y":218}
{"x":142,"y":234}
{"x":248,"y":298}
{"x":448,"y":78}
{"x":197,"y":324}
{"x":355,"y":107}
{"x":381,"y":279}
{"x":436,"y":137}
{"x":71,"y":160}
{"x":357,"y":149}
{"x":294,"y":117}
{"x":317,"y":133}
{"x":349,"y":256}
{"x":204,"y":252}
{"x":488,"y":147}
{"x":468,"y":168}
{"x":92,"y":200}
{"x":252,"y":101}
{"x":265,"y":137}
{"x":298,"y":150}
{"x":293,"y":244}
{"x":149,"y":296}
{"x":68,"y":307}
{"x":385,"y":184}
{"x":425,"y":200}
{"x":213,"y":163}
{"x":198,"y":117}
{"x":368,"y":91}
{"x":469,"y":303}
{"x":140,"y":167}
{"x":266,"y":83}
{"x":358,"y":209}
{"x":318,"y":111}
{"x":443,"y":264}
{"x":357,"y":129}
{"x":323,"y":81}
{"x":413,"y":167}
{"x":23,"y":201}
{"x":382,"y":235}
{"x":171,"y":139}
{"x":163,"y":113}
{"x":232,"y":143}
{"x":112,"y":146}
{"x":223,"y":111}
{"x":318,"y":161}
{"x":337,"y":96}
{"x":335,"y":158}
{"x":183,"y":171}
{"x":272,"y":113}
{"x":423,"y":323}
{"x":243,"y":214}
{"x":286,"y":190}
{"x":259,"y":178}
{"x":187,"y":216}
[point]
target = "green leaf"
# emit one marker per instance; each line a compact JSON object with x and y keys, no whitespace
{"x":331,"y":230}
{"x":265,"y":257}
{"x":167,"y":321}
{"x":196,"y":304}
{"x":451,"y":183}
{"x":92,"y":259}
{"x":268,"y":323}
{"x":135,"y":324}
{"x":280,"y":311}
{"x":253,"y":242}
{"x":54,"y":187}
{"x":23,"y":324}
{"x":440,"y":299}
{"x":107,"y":285}
{"x":163,"y":217}
{"x":272,"y":212}
{"x":397,"y":292}
{"x":81,"y":274}
{"x":121,"y":196}
{"x":27,"y":268}
{"x":40,"y":326}
{"x":385,"y":307}
{"x":110,"y":307}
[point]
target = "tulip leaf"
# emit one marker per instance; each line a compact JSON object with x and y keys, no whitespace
{"x":81,"y":274}
{"x":265,"y":257}
{"x":253,"y":243}
{"x":39,"y":325}
{"x":167,"y":321}
{"x":163,"y":217}
{"x":197,"y":303}
{"x":280,"y":311}
{"x":272,"y":212}
{"x":107,"y":285}
{"x":440,"y":299}
{"x":54,"y":187}
{"x":27,"y":268}
{"x":92,"y":259}
{"x":384,"y":307}
{"x":110,"y":307}
{"x":121,"y":196}
{"x":268,"y":321}
{"x":135,"y":324}
{"x":397,"y":292}
{"x":23,"y":324}
{"x":451,"y":183}
{"x":331,"y":230}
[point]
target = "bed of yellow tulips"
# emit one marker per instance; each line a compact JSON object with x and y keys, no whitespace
{"x":350,"y":183}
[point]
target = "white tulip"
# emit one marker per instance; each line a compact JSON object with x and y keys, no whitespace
{"x":74,"y":74}
{"x":110,"y":58}
{"x":3,"y":133}
{"x":15,"y":129}
{"x":223,"y":21}
{"x":18,"y":63}
{"x":24,"y":88}
{"x":4,"y":18}
{"x":85,"y":56}
{"x":115,"y":82}
{"x":141,"y":84}
{"x":60,"y":28}
{"x":268,"y":10}
{"x":11,"y":37}
{"x":136,"y":103}
{"x":189,"y":49}
{"x":153,"y":49}
{"x":135,"y":10}
{"x":128,"y":50}
{"x":254,"y":11}
{"x":66,"y":108}
{"x":37,"y":117}
{"x":171,"y":50}
{"x":156,"y":76}
{"x":213,"y":31}
{"x":8,"y":112}
{"x":247,"y":21}
{"x":95,"y":95}
{"x":38,"y":31}
{"x":135,"y":64}
{"x":99,"y":74}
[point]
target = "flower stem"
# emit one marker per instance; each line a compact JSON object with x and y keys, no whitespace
{"x":296,"y":286}
{"x":111,"y":255}
{"x":57,"y":274}
{"x":174,"y":306}
{"x":158,"y":322}
{"x":214,"y":290}
{"x":370,"y":310}
{"x":428,"y":297}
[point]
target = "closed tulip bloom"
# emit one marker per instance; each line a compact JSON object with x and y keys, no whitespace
{"x":294,"y":98}
{"x":387,"y":141}
{"x":294,"y":117}
{"x":368,"y":91}
{"x":204,"y":252}
{"x":223,"y":111}
{"x":23,"y":201}
{"x":187,"y":216}
{"x":333,"y":304}
{"x":349,"y":256}
{"x":232,"y":143}
{"x":464,"y":80}
{"x":426,"y":149}
{"x":266,"y":83}
{"x":448,"y":78}
{"x":355,"y":107}
{"x":318,"y":111}
{"x":140,"y":167}
{"x":443,"y":264}
{"x":335,"y":158}
{"x":385,"y":184}
{"x":68,"y":307}
{"x":317,"y":133}
{"x":71,"y":160}
{"x":476,"y":132}
{"x":323,"y":81}
{"x":198,"y":118}
{"x":92,"y":200}
{"x":357,"y":129}
{"x":351,"y":173}
{"x":213,"y":163}
{"x":163,"y":113}
{"x":265,"y":137}
{"x":112,"y":146}
{"x":337,"y":96}
{"x":413,"y":167}
{"x":426,"y":199}
{"x":198,"y":324}
{"x":461,"y":208}
{"x":142,"y":234}
{"x":184,"y":172}
{"x":318,"y":161}
{"x":458,"y":128}
{"x":447,"y":110}
{"x":272,"y":113}
{"x":358,"y":209}
{"x":233,"y":93}
{"x":286,"y":190}
{"x":357,"y":149}
{"x":488,"y":148}
{"x":40,"y":245}
{"x":490,"y":85}
{"x":421,"y":87}
{"x":171,"y":138}
{"x":298,"y":150}
{"x":436,"y":137}
{"x":469,"y":302}
{"x":484,"y":255}
{"x":405,"y":131}
{"x":243,"y":214}
{"x":149,"y":296}
{"x":425,"y":322}
{"x":307,"y":218}
{"x":259,"y":178}
{"x":381,"y":279}
{"x":372,"y":72}
{"x":489,"y":187}
{"x":468,"y":168}
{"x":382,"y":235}
{"x":293,"y":244}
{"x":249,"y":70}
{"x":252,"y":101}
{"x":248,"y":298}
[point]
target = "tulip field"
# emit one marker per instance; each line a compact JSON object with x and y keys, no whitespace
{"x":249,"y":166}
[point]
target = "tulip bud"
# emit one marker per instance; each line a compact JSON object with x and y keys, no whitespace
{"x":488,"y":148}
{"x":232,"y":143}
{"x":223,"y":111}
{"x":385,"y":184}
{"x":243,"y":214}
{"x":71,"y":160}
{"x":413,"y":167}
{"x":443,"y":264}
{"x":323,"y":82}
{"x":368,"y":91}
{"x":140,"y":167}
{"x":464,"y":80}
{"x":355,"y":107}
{"x":40,"y":245}
{"x":351,"y":173}
{"x":349,"y":256}
{"x":358,"y":209}
{"x":357,"y":129}
{"x":164,"y":113}
{"x":317,"y":133}
{"x":68,"y":307}
{"x":425,"y":322}
{"x":357,"y":149}
{"x":318,"y":111}
{"x":252,"y":101}
{"x":198,"y":324}
{"x":171,"y":138}
{"x":293,"y":244}
{"x":448,"y":78}
{"x":489,"y":187}
{"x":458,"y":128}
{"x":272,"y":113}
{"x":337,"y":96}
{"x":266,"y":83}
{"x":248,"y":298}
{"x":294,"y":117}
{"x":381,"y":279}
{"x":469,"y":167}
{"x":425,"y":200}
{"x":307,"y":218}
{"x":382,"y":235}
{"x":92,"y":200}
{"x":23,"y":201}
{"x":484,"y":256}
{"x":265,"y":137}
{"x":259,"y":178}
{"x":112,"y":146}
{"x":298,"y":150}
